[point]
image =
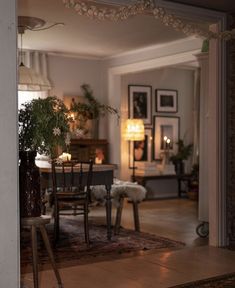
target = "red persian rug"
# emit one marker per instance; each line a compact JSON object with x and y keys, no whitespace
{"x":72,"y":249}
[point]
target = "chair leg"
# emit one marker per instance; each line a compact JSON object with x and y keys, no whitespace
{"x":50,"y":253}
{"x":118,"y":216}
{"x":136,"y":216}
{"x":86,"y":224}
{"x":35,"y":255}
{"x":56,"y":223}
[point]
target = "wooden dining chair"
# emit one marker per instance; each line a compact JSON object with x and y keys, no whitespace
{"x":71,"y":192}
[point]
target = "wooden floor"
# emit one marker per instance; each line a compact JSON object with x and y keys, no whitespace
{"x":175,"y":219}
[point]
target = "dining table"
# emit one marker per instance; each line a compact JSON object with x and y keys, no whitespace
{"x":103,"y":174}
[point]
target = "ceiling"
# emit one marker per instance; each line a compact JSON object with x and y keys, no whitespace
{"x":82,"y":36}
{"x":219,"y":5}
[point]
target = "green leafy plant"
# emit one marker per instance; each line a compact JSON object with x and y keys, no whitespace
{"x":43,"y":126}
{"x":93,"y":109}
{"x":184,"y":151}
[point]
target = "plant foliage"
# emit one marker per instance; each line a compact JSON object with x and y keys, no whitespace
{"x":43,"y":125}
{"x":184,"y":151}
{"x":93,"y":109}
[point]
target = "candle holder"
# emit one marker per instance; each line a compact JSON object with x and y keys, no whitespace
{"x":166,"y":166}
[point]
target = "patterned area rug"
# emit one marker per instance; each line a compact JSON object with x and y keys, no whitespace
{"x":72,"y":249}
{"x":223,"y":281}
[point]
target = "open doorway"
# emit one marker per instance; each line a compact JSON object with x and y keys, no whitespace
{"x":63,"y":86}
{"x":181,"y":79}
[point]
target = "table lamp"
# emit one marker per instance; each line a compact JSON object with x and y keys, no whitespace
{"x":134,"y":131}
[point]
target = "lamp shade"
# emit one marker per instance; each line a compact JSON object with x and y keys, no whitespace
{"x":134,"y":130}
{"x":29,"y":80}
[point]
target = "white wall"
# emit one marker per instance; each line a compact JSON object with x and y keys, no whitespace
{"x":181,"y":80}
{"x":9,"y":210}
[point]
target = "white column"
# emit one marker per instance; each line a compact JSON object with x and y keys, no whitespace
{"x":114,"y":135}
{"x":9,"y":202}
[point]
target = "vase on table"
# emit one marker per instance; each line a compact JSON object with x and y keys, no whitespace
{"x":179,"y":167}
{"x":93,"y":129}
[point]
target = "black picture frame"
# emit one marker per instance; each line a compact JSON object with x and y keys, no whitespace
{"x":166,"y":101}
{"x":165,"y":126}
{"x":140,"y":103}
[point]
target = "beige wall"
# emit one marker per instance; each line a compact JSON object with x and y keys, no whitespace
{"x":67,"y":74}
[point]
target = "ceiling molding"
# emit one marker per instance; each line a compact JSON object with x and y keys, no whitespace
{"x":151,"y":48}
{"x":75,"y":55}
{"x":180,"y":58}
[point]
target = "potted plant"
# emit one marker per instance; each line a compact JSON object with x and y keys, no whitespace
{"x":43,"y":126}
{"x":184,"y":151}
{"x":92,"y":109}
{"x":194,"y":183}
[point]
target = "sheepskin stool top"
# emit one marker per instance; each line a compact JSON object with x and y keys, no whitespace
{"x":122,"y":189}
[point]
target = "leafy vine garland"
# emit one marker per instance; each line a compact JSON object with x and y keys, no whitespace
{"x":99,"y":12}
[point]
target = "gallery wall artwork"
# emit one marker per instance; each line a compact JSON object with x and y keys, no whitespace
{"x":166,"y":126}
{"x":140,"y":103}
{"x":166,"y":100}
{"x":141,"y":150}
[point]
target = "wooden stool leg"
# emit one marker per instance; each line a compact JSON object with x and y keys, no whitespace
{"x":50,"y":253}
{"x":35,"y":255}
{"x":56,"y":222}
{"x":118,"y":216}
{"x":136,"y":216}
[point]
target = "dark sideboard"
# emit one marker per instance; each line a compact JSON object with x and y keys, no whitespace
{"x":86,"y":149}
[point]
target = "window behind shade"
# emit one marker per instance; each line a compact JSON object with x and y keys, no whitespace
{"x":27,"y":96}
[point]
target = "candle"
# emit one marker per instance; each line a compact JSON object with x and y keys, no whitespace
{"x":65,"y":156}
{"x":98,"y":160}
{"x":165,"y":142}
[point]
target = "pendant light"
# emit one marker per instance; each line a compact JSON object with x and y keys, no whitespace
{"x":28,"y":78}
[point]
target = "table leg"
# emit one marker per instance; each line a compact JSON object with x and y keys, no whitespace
{"x":35,"y":255}
{"x":108,"y":212}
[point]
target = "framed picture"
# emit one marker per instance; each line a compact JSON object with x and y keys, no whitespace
{"x":165,"y":128}
{"x":166,"y":100}
{"x":141,"y":150}
{"x":140,"y":103}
